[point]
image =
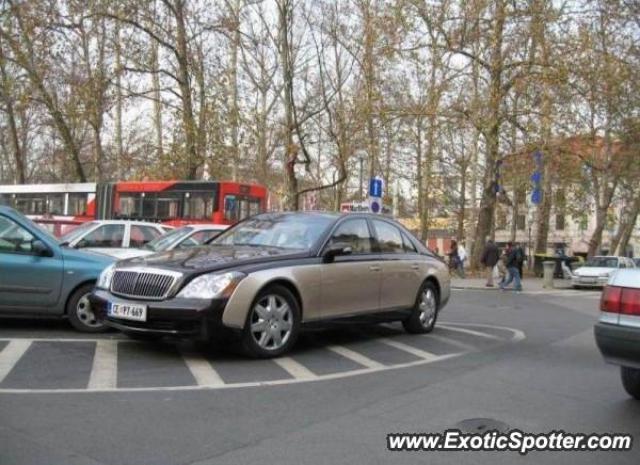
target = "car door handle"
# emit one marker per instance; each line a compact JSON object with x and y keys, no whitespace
{"x":374,"y":268}
{"x":415,"y":266}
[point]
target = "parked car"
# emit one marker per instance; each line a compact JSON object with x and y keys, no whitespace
{"x":597,"y":270}
{"x":618,"y":330}
{"x":271,"y":275}
{"x":39,"y":277}
{"x":637,"y":262}
{"x":181,"y":238}
{"x":113,"y":237}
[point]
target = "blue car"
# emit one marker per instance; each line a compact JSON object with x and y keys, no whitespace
{"x":39,"y":277}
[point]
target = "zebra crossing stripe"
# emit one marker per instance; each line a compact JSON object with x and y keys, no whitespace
{"x":294,"y":368}
{"x":423,"y":354}
{"x":11,"y":354}
{"x":104,"y":372}
{"x":470,"y":332}
{"x":201,"y":369}
{"x":355,"y":357}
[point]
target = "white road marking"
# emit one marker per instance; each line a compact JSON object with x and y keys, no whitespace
{"x":217,"y":383}
{"x":104,"y":373}
{"x":471,"y":332}
{"x":11,"y":354}
{"x":201,"y":369}
{"x":295,"y":369}
{"x":423,"y":354}
{"x":355,"y":357}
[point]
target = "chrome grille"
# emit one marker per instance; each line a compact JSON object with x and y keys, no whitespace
{"x":142,"y":284}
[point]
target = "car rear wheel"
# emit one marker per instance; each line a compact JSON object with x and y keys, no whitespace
{"x":80,"y":314}
{"x":273,"y":323}
{"x":425,"y":312}
{"x":631,"y":381}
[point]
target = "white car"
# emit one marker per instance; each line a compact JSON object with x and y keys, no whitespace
{"x":181,"y":238}
{"x":118,"y":238}
{"x":597,"y":271}
{"x":617,"y":332}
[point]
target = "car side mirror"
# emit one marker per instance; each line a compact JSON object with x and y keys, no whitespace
{"x":41,"y":249}
{"x":336,"y":250}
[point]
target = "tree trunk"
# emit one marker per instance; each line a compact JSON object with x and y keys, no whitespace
{"x":119,"y":99}
{"x":486,"y":212}
{"x":291,"y":151}
{"x":184,"y":82}
{"x":157,"y":101}
{"x":234,"y":118}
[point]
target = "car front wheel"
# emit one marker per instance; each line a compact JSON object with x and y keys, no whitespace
{"x":631,"y":381}
{"x":273,"y":323}
{"x":425,"y":312}
{"x":80,"y":313}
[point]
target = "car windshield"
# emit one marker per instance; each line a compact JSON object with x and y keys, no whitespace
{"x":76,"y":233}
{"x":285,"y":231}
{"x":163,"y":242}
{"x":602,"y":262}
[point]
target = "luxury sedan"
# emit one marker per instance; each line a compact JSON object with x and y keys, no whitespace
{"x":270,"y":276}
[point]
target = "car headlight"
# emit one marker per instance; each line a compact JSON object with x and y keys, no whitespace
{"x":104,"y":280}
{"x":212,"y":285}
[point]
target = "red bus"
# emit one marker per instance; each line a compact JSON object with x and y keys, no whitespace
{"x":171,"y":202}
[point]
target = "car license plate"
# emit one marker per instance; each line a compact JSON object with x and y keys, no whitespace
{"x":128,"y":311}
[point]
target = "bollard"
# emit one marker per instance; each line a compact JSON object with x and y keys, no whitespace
{"x":549,"y":269}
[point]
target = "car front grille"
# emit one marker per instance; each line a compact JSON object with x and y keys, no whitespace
{"x":142,"y":284}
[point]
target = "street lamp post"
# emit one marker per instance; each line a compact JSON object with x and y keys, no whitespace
{"x":361,"y":157}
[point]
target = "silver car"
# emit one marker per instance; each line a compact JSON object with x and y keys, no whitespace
{"x":272,"y":275}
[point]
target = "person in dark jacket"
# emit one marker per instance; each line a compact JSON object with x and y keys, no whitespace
{"x":512,"y":266}
{"x":520,"y":257}
{"x":489,"y":259}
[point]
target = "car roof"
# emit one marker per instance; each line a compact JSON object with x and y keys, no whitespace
{"x":132,"y":222}
{"x":207,"y":227}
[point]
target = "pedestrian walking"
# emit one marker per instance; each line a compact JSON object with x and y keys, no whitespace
{"x":489,"y":259}
{"x":520,"y":257}
{"x":454,"y":258}
{"x":512,"y":267}
{"x":462,"y":256}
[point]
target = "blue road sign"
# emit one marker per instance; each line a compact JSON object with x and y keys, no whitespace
{"x":375,"y":204}
{"x":536,"y":196}
{"x":375,"y":187}
{"x":536,"y":177}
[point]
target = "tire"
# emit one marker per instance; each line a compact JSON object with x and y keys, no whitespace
{"x":273,"y":323}
{"x":79,"y":311}
{"x":631,"y":381}
{"x":425,"y":311}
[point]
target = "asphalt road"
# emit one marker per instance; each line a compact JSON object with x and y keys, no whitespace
{"x":526,"y":360}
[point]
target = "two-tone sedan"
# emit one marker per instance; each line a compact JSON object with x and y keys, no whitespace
{"x":270,"y":276}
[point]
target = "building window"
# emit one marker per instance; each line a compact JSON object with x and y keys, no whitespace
{"x":521,"y":222}
{"x":521,"y":196}
{"x":560,"y":222}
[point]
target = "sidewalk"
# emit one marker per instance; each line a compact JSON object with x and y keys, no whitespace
{"x":528,"y":284}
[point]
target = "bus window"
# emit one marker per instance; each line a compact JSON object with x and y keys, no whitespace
{"x":31,"y":204}
{"x":238,"y":208}
{"x":198,"y":205}
{"x":6,"y":199}
{"x":77,"y":204}
{"x":149,"y":205}
{"x":55,"y":204}
{"x":129,"y":205}
{"x":169,"y":205}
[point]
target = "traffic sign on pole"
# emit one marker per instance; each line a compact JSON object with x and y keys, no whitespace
{"x":375,"y":187}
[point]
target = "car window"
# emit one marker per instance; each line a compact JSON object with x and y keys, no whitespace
{"x":14,"y":238}
{"x":408,"y":245}
{"x":107,"y":235}
{"x":355,"y":233}
{"x":389,"y":237}
{"x":201,"y":237}
{"x":140,"y":235}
